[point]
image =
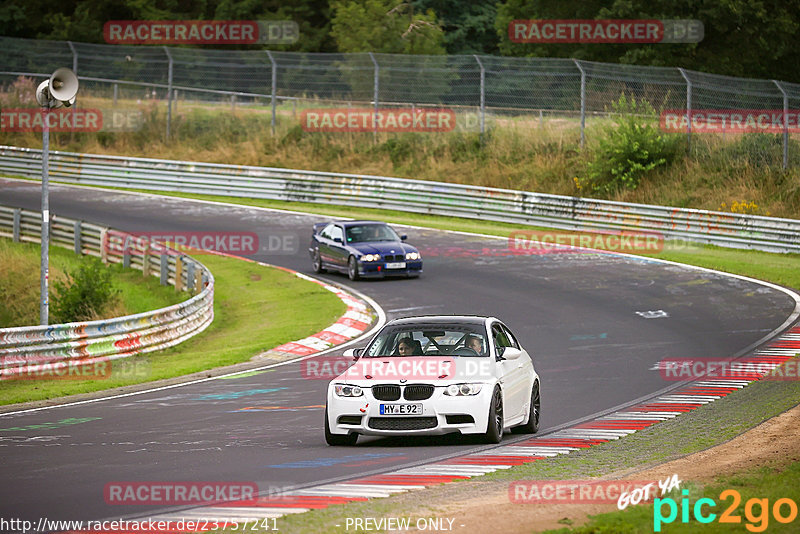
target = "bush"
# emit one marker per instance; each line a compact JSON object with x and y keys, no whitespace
{"x":629,"y":150}
{"x":85,"y":294}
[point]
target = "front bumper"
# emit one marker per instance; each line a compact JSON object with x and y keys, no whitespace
{"x":378,"y":269}
{"x":441,"y":414}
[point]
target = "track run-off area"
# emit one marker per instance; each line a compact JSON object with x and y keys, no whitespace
{"x":595,"y":323}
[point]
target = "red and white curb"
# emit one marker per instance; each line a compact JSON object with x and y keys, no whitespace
{"x":356,"y":320}
{"x":581,"y":436}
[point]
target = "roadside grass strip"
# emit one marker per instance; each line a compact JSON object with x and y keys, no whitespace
{"x":252,"y":327}
{"x":610,"y":427}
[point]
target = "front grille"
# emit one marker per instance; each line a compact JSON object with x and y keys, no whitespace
{"x":349,"y":419}
{"x":386,"y":393}
{"x":417,"y":392}
{"x":459,"y":419}
{"x":396,"y":257}
{"x":402,"y":423}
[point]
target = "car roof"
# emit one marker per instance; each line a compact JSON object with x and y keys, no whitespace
{"x":354,"y":223}
{"x":440,"y":319}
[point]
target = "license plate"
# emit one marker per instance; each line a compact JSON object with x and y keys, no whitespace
{"x":401,"y":409}
{"x":396,"y":265}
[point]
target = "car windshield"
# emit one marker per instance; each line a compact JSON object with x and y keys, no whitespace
{"x":429,"y":340}
{"x":370,"y":232}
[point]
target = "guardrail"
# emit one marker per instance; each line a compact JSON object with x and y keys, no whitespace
{"x":415,"y":196}
{"x":31,"y":350}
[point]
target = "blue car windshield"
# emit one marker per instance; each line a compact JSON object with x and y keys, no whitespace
{"x":363,"y":233}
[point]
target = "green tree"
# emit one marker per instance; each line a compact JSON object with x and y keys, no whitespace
{"x":751,"y":38}
{"x":385,"y":26}
{"x":468,"y":25}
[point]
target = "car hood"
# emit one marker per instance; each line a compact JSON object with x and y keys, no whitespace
{"x":383,"y":247}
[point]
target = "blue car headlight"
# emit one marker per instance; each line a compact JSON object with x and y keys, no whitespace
{"x":413,"y":255}
{"x":370,"y":257}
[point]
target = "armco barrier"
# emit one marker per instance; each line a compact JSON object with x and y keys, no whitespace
{"x":417,"y":196}
{"x":27,"y":350}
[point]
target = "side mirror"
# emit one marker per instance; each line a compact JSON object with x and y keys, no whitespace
{"x":353,"y":353}
{"x":510,"y":353}
{"x":403,"y":237}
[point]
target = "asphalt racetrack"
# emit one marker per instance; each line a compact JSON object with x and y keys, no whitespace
{"x":583,"y":316}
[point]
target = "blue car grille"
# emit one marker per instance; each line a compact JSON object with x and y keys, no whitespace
{"x":394,"y":257}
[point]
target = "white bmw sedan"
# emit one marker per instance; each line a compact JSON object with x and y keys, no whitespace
{"x":435,"y":375}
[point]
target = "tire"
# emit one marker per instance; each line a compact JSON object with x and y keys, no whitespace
{"x":532,"y":426}
{"x":338,"y":440}
{"x":316,"y":263}
{"x":352,"y":268}
{"x":494,"y":427}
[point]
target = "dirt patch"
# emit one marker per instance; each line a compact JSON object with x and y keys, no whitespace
{"x":479,"y":504}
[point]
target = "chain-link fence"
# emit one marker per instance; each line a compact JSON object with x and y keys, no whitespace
{"x":718,"y":114}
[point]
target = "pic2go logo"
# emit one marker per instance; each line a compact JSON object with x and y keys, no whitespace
{"x":757,"y":522}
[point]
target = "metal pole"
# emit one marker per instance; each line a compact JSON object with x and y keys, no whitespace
{"x":375,"y":118}
{"x":169,"y":90}
{"x":583,"y":101}
{"x":75,"y":70}
{"x":785,"y":124}
{"x":44,"y":270}
{"x":483,"y":94}
{"x":274,"y":87}
{"x":116,"y":93}
{"x":688,"y":110}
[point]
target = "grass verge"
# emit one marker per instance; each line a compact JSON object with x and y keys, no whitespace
{"x":251,"y":316}
{"x":19,"y":284}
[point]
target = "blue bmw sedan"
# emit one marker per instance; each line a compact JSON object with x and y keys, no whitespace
{"x":362,"y":249}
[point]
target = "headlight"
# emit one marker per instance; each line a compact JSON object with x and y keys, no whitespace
{"x":343,"y":390}
{"x":370,"y":257}
{"x":413,"y":255}
{"x":460,"y":390}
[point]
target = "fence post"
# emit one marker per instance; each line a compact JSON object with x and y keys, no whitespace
{"x":16,"y":224}
{"x":75,"y":70}
{"x":785,"y":124}
{"x":104,"y":245}
{"x":164,"y":268}
{"x":583,"y":101}
{"x":375,"y":118}
{"x":178,"y":273}
{"x":274,"y":87}
{"x":169,"y":90}
{"x":116,"y":93}
{"x":77,"y":241}
{"x":688,"y":109}
{"x":483,"y":94}
{"x":146,"y":260}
